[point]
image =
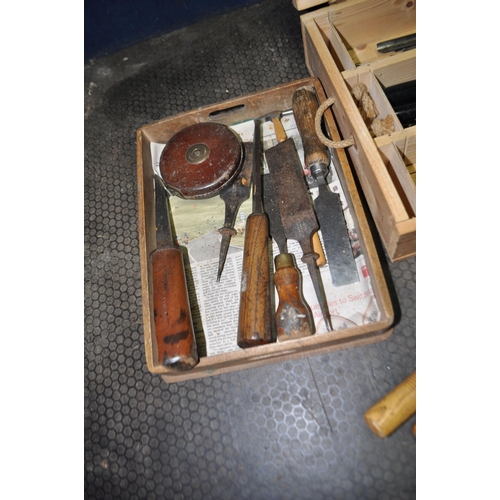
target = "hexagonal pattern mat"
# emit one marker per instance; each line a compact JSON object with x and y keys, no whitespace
{"x":287,"y":430}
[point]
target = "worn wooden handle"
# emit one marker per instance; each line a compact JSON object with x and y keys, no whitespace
{"x":396,"y":407}
{"x":304,"y":107}
{"x":175,"y":339}
{"x":254,"y":322}
{"x":293,"y":317}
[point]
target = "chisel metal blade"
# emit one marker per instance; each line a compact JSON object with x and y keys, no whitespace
{"x":328,"y":205}
{"x":163,"y":229}
{"x":341,"y":263}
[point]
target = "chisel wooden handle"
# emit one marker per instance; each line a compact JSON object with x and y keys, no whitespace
{"x":396,"y":407}
{"x":293,"y":317}
{"x":305,"y":106}
{"x":175,"y":337}
{"x":318,"y":248}
{"x":254,"y":323}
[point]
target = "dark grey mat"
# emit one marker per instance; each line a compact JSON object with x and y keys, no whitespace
{"x":288,"y":430}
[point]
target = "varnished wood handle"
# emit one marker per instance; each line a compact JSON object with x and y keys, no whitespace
{"x":175,"y":338}
{"x":304,"y":107}
{"x":254,"y":322}
{"x":396,"y":407}
{"x":318,"y":248}
{"x":293,"y":317}
{"x":279,"y":130}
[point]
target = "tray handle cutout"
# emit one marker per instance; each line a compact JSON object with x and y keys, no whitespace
{"x":223,"y":113}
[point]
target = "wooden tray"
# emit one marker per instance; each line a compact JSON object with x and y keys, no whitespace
{"x":230,"y":112}
{"x":340,"y":49}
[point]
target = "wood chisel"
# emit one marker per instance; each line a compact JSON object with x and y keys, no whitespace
{"x":297,"y":213}
{"x":175,"y":338}
{"x":293,"y":316}
{"x":254,"y":320}
{"x":328,"y":205}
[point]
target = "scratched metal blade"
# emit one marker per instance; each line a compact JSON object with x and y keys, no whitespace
{"x":297,"y":213}
{"x":233,"y":196}
{"x":336,"y":241}
{"x":272,"y":211}
{"x":163,"y":229}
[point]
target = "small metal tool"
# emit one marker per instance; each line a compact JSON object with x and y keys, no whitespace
{"x":233,"y":196}
{"x":401,"y":43}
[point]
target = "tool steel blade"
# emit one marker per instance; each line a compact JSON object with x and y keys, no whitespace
{"x":297,"y":213}
{"x":271,"y":209}
{"x":163,"y":229}
{"x":333,"y":228}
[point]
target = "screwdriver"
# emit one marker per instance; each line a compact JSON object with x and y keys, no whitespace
{"x":254,"y":321}
{"x":175,"y":338}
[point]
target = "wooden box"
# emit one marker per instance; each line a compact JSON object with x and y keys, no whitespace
{"x":340,"y":49}
{"x":230,"y":112}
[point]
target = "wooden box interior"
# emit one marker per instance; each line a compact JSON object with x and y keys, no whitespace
{"x":230,"y":112}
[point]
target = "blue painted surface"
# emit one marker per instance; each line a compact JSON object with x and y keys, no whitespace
{"x":112,"y":25}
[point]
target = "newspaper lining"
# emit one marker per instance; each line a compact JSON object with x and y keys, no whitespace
{"x":215,"y":305}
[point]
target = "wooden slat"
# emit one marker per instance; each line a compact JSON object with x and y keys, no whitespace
{"x":403,"y":245}
{"x":307,"y":4}
{"x":401,"y":177}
